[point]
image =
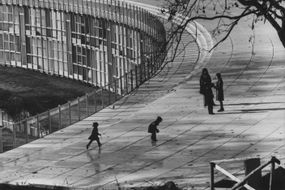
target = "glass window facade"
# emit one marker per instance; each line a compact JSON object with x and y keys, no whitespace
{"x":69,"y":39}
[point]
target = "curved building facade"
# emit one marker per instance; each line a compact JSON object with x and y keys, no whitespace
{"x":95,"y":41}
{"x":106,"y":43}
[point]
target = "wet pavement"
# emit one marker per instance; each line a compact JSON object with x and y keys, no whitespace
{"x":252,"y":124}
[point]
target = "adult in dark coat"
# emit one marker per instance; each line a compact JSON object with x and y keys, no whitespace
{"x":205,"y":79}
{"x":209,"y":97}
{"x":206,"y":90}
{"x":94,"y":136}
{"x":152,"y":128}
{"x":220,"y":91}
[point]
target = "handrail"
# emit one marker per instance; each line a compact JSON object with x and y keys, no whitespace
{"x":240,"y":183}
{"x":272,"y":161}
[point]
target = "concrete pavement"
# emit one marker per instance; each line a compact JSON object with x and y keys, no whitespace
{"x":252,"y":124}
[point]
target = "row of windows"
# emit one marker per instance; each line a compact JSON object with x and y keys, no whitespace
{"x":76,"y":46}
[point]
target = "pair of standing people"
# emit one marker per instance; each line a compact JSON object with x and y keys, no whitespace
{"x":206,"y":86}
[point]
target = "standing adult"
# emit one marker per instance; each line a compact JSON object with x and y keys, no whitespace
{"x":205,"y":78}
{"x":220,"y":91}
{"x":209,"y":96}
{"x":152,"y":128}
{"x":94,"y":135}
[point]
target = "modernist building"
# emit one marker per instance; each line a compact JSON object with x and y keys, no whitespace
{"x":95,"y":41}
{"x":106,"y":43}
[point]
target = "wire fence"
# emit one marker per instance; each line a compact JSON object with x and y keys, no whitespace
{"x":35,"y":127}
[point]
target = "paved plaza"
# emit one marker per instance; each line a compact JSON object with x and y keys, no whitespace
{"x":252,"y":125}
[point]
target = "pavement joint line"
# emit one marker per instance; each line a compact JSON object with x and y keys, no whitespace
{"x":185,"y":147}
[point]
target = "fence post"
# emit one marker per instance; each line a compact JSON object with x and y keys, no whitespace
{"x":1,"y":141}
{"x":132,"y":80}
{"x":38,"y":125}
{"x":69,"y":112}
{"x":271,"y":175}
{"x":49,"y":122}
{"x":212,"y":165}
{"x":121,"y":85}
{"x":102,"y":100}
{"x":59,"y":116}
{"x":78,"y":108}
{"x":87,"y":105}
{"x":109,"y":93}
{"x":115,"y":86}
{"x":14,"y":135}
{"x":26,"y":127}
{"x":95,"y":102}
{"x":127,"y":86}
{"x":136,"y":73}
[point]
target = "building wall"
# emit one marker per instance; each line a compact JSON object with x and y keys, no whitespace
{"x":92,"y":41}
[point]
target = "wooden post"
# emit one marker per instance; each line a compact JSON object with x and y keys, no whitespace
{"x":250,"y":165}
{"x":271,"y":175}
{"x":212,"y":182}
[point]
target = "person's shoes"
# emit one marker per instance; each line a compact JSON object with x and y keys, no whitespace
{"x":220,"y":110}
{"x":87,"y":147}
{"x":212,"y":113}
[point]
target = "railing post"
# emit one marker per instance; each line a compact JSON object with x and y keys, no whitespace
{"x":126,"y":77}
{"x":1,"y":137}
{"x":95,"y":102}
{"x":136,"y":73}
{"x":271,"y":175}
{"x":59,"y":116}
{"x":141,"y":74}
{"x":132,"y":80}
{"x":109,"y":94}
{"x":27,"y":132}
{"x":69,"y":112}
{"x":38,"y":125}
{"x":212,"y":183}
{"x":14,"y":135}
{"x":121,"y":85}
{"x":49,"y":122}
{"x":86,"y":103}
{"x":102,"y":100}
{"x":78,"y":108}
{"x":116,"y":91}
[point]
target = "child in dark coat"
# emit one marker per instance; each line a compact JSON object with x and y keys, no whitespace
{"x":94,"y":136}
{"x":152,"y":128}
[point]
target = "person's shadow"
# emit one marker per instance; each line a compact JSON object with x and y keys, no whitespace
{"x":94,"y":160}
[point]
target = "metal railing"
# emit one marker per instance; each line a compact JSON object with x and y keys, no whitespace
{"x":243,"y":183}
{"x":38,"y":126}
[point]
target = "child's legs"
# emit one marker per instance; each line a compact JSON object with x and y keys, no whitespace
{"x":98,"y":142}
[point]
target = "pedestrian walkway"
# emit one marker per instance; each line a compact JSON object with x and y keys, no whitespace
{"x":252,"y":124}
